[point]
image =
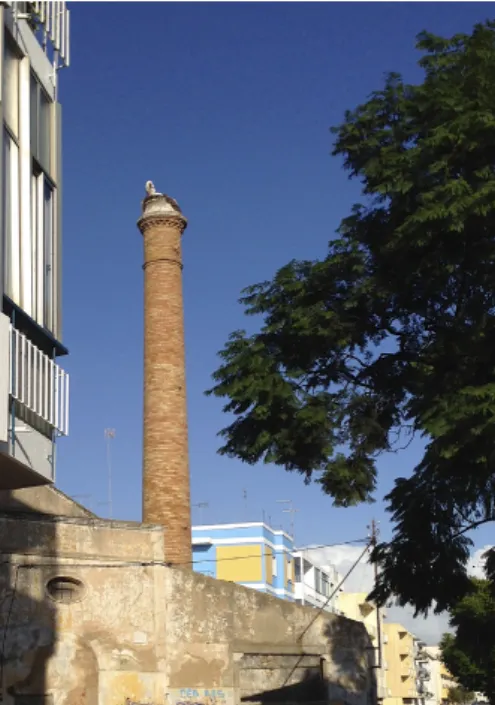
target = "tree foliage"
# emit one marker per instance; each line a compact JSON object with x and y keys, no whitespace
{"x":469,"y":653}
{"x":460,"y":696}
{"x":392,"y":334}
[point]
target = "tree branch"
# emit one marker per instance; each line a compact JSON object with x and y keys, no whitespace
{"x":473,"y":525}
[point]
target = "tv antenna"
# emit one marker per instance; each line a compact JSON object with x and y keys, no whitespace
{"x":292,"y":511}
{"x":201,"y":506}
{"x":109,"y":436}
{"x":245,"y":498}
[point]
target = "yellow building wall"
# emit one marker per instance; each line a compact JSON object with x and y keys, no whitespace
{"x":241,"y":564}
{"x":288,"y":574}
{"x":355,"y":606}
{"x":447,"y":681}
{"x":400,"y":671}
{"x":268,"y":565}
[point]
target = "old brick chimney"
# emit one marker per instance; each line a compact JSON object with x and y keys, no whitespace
{"x":166,"y":493}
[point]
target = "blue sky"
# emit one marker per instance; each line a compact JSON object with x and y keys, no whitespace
{"x":227,"y":108}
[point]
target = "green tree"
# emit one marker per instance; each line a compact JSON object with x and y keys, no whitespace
{"x":460,"y":696}
{"x":392,"y":334}
{"x":469,"y":653}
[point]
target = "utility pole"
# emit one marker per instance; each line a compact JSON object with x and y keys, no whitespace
{"x":109,"y":436}
{"x":374,"y":534}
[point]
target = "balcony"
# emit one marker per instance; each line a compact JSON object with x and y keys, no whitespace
{"x":421,"y":656}
{"x":50,"y":22}
{"x":37,"y":384}
{"x":34,"y":410}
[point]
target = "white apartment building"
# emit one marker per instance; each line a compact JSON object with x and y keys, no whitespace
{"x":34,"y":388}
{"x":314,"y":584}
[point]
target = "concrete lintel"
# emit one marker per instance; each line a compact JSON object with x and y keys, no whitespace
{"x":243,"y":647}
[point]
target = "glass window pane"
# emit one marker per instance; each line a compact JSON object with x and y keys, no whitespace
{"x":44,"y":131}
{"x":11,"y":88}
{"x":34,"y":115}
{"x":7,"y":214}
{"x":297,"y":570}
{"x":34,"y":241}
{"x":317,"y":580}
{"x":48,"y":222}
{"x":11,"y":218}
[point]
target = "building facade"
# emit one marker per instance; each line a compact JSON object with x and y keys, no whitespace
{"x":399,"y":665}
{"x":34,"y":389}
{"x":251,"y":554}
{"x":355,"y":605}
{"x":315,"y":585}
{"x":100,"y":618}
{"x":411,"y":676}
{"x":430,"y":659}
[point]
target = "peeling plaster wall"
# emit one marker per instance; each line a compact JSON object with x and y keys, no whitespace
{"x":140,"y":631}
{"x":257,"y":648}
{"x":45,"y":499}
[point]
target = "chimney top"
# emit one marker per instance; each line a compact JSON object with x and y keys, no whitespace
{"x":159,"y":205}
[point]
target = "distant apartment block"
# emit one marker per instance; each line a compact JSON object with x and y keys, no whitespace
{"x":429,"y":659}
{"x":409,"y":679}
{"x":315,"y":585}
{"x":251,"y":554}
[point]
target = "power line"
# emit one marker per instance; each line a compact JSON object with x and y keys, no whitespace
{"x":166,"y":564}
{"x":257,"y":555}
{"x":320,"y":609}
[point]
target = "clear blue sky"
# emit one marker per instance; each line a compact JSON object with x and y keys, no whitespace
{"x":226,"y":107}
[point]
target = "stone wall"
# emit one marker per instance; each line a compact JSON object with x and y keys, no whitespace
{"x":257,"y":648}
{"x":133,"y":629}
{"x":45,"y":499}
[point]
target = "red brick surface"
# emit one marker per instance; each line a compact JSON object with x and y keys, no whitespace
{"x":166,"y":493}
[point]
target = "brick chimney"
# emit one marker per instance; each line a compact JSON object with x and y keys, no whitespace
{"x":166,"y":493}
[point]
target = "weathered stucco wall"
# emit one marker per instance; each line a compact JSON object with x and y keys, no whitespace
{"x":45,"y":499}
{"x":257,"y":648}
{"x":141,"y":631}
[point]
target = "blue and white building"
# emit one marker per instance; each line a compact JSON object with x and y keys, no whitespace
{"x":251,"y":554}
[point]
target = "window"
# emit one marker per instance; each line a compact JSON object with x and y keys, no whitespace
{"x":43,"y":219}
{"x":11,"y":184}
{"x":297,"y":570}
{"x":317,"y":581}
{"x":11,"y":87}
{"x":65,"y":590}
{"x":11,"y":217}
{"x":40,"y":124}
{"x":325,"y":587}
{"x":43,"y":201}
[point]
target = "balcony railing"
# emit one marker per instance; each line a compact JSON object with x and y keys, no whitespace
{"x":421,"y":655}
{"x":38,"y":384}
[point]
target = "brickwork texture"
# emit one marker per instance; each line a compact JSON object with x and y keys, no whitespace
{"x":166,"y":487}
